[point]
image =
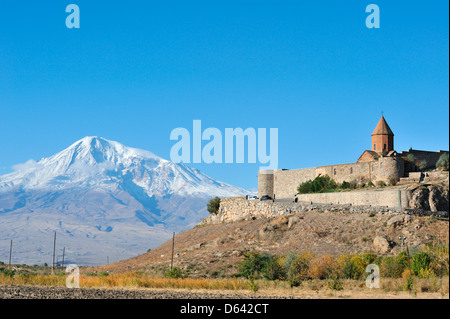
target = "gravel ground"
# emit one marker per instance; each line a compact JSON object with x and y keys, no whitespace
{"x":31,"y":292}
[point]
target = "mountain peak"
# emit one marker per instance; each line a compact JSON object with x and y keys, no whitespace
{"x":95,"y":162}
{"x":95,"y":149}
{"x":101,"y":195}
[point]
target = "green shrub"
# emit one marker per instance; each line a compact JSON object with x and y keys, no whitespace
{"x":379,"y":260}
{"x":381,"y":184}
{"x":421,"y":260}
{"x":439,"y":259}
{"x":297,"y":267}
{"x":351,"y":267}
{"x":320,"y":184}
{"x":213,"y":205}
{"x":355,"y":268}
{"x":411,"y":158}
{"x":393,"y":180}
{"x":392,"y":267}
{"x":345,"y":185}
{"x":402,"y":258}
{"x":443,"y":162}
{"x":369,"y":258}
{"x":408,"y":286}
{"x":252,"y":285}
{"x":334,"y":282}
{"x":176,"y":272}
{"x":273,"y":270}
{"x":426,"y":273}
{"x":354,"y":184}
{"x":7,"y":272}
{"x":253,"y":264}
{"x":423,"y":164}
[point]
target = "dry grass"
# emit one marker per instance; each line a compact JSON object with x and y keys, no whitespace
{"x":127,"y":280}
{"x":390,"y":287}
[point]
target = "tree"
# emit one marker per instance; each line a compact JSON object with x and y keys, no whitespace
{"x":412,"y":161}
{"x":443,"y":162}
{"x":213,"y":205}
{"x":423,"y":165}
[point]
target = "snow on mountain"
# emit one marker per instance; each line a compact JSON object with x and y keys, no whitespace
{"x":102,"y":198}
{"x":95,"y":161}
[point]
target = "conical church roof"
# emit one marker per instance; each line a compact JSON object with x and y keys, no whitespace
{"x":382,"y":128}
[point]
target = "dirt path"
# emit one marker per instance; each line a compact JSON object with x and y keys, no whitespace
{"x":31,"y":292}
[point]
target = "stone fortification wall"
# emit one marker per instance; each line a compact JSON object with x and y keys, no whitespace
{"x":431,"y":158}
{"x":238,"y":208}
{"x":283,"y":183}
{"x":287,"y":181}
{"x":392,"y":198}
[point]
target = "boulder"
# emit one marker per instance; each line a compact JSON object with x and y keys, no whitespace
{"x":293,"y":220}
{"x":396,"y":221}
{"x":438,"y":199}
{"x":429,"y":197}
{"x":381,"y":245}
{"x":419,"y":198}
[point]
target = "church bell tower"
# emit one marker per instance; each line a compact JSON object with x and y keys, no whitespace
{"x":382,"y":137}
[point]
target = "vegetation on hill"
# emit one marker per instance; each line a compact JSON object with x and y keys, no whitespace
{"x":324,"y":184}
{"x":320,"y":184}
{"x":443,"y":162}
{"x":213,"y":205}
{"x":430,"y":270}
{"x":295,"y":268}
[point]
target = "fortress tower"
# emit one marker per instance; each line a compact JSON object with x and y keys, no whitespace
{"x":382,"y":138}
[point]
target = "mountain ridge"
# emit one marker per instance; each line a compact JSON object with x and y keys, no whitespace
{"x":96,"y":185}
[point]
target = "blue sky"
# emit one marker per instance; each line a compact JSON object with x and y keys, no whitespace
{"x":136,"y":70}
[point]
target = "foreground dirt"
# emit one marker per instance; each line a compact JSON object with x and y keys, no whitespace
{"x":215,"y":250}
{"x":33,"y":292}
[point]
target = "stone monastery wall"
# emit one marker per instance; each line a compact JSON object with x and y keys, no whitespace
{"x":283,"y":183}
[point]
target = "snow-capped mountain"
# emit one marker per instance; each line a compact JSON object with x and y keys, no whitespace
{"x":104,"y":200}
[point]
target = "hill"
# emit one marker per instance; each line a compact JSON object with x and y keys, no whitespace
{"x":214,"y":249}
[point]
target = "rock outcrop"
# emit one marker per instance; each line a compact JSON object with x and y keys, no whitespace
{"x":429,"y":197}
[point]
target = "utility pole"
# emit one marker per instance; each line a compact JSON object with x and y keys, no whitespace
{"x":10,"y":253}
{"x":54,"y":248}
{"x":64,"y":250}
{"x":409,"y":260}
{"x":173,"y":246}
{"x":402,"y":239}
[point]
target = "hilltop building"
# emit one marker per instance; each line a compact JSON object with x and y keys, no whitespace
{"x":380,"y":163}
